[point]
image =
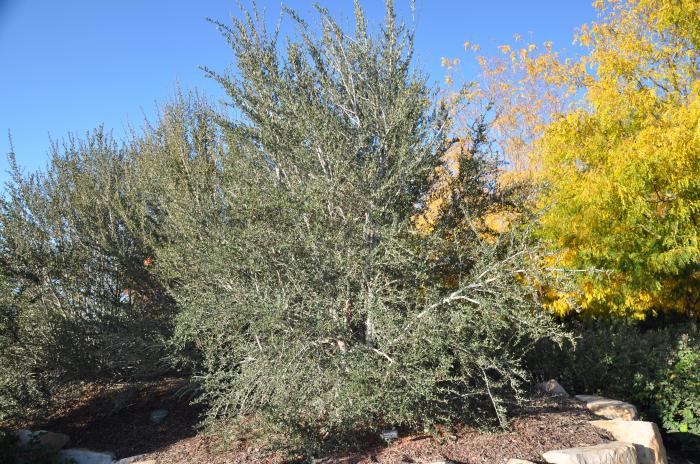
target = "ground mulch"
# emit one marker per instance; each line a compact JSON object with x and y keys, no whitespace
{"x":542,"y":425}
{"x":116,"y":418}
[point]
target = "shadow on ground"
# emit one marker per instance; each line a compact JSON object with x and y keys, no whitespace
{"x":116,"y":418}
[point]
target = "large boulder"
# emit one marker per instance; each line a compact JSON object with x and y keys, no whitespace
{"x":610,"y":409}
{"x":83,"y":456}
{"x":615,"y":452}
{"x":551,"y":387}
{"x":644,"y":436}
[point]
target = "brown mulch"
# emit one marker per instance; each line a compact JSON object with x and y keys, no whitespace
{"x":116,"y":418}
{"x":543,"y":425}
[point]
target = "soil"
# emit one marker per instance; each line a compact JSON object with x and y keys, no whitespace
{"x":543,"y":425}
{"x":116,"y":418}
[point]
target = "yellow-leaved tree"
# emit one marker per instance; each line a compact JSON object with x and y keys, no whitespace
{"x":621,"y":167}
{"x":611,"y":139}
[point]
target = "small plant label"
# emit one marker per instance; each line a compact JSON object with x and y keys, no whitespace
{"x":388,"y":435}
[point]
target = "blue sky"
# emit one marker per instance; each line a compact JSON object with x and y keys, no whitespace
{"x":68,"y":66}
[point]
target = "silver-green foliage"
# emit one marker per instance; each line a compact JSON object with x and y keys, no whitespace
{"x":310,"y":303}
{"x":77,"y":302}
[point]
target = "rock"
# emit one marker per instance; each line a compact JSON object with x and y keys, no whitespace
{"x":615,"y":452}
{"x":644,"y":436}
{"x":158,"y":415}
{"x":41,"y":438}
{"x":551,"y":387}
{"x":140,"y":459}
{"x":610,"y":409}
{"x":32,"y":446}
{"x":83,"y":456}
{"x":519,"y":461}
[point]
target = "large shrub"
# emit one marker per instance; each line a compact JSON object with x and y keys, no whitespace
{"x":21,"y":387}
{"x":78,"y":301}
{"x":311,"y":304}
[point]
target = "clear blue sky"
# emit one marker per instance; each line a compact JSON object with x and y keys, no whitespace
{"x":68,"y":66}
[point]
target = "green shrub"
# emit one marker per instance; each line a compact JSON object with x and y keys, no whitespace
{"x":312,"y":308}
{"x":655,"y":369}
{"x":675,"y":395}
{"x":22,"y":386}
{"x":611,"y":359}
{"x":77,"y":302}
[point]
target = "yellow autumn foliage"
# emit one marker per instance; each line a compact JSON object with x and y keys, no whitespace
{"x":621,"y":167}
{"x":611,"y":139}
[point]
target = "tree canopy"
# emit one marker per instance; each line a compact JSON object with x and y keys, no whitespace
{"x":609,"y":141}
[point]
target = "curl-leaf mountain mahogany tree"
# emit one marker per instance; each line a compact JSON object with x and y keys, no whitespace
{"x":316,"y":307}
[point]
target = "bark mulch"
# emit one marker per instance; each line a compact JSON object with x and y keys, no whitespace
{"x":116,"y":418}
{"x":542,"y":425}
